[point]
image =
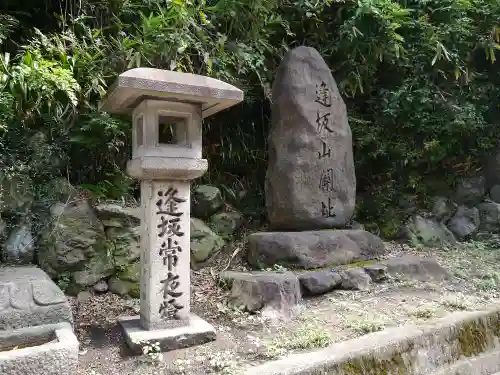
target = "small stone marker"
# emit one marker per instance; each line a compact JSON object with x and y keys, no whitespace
{"x":310,"y":182}
{"x":28,"y":297}
{"x":167,"y":109}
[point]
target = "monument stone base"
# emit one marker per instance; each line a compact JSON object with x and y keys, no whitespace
{"x":196,"y":332}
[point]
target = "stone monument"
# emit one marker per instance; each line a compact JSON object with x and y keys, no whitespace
{"x":310,"y":181}
{"x":167,"y":109}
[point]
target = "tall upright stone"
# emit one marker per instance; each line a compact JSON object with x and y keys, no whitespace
{"x":310,"y":181}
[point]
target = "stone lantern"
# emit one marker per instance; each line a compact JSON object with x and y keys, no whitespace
{"x":167,"y":110}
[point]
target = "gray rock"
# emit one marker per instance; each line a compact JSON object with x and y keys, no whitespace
{"x":315,"y":283}
{"x":20,"y":246}
{"x":313,"y":249}
{"x":123,"y":287}
{"x":114,"y":215}
{"x":204,"y":242}
{"x":464,"y":222}
{"x":355,"y":225}
{"x":310,"y":181}
{"x":427,"y":232}
{"x":96,"y":269}
{"x":101,"y":287}
{"x":355,"y":279}
{"x":377,"y":272}
{"x":28,"y":297}
{"x":226,"y":223}
{"x":489,"y":217}
{"x":495,"y":193}
{"x":257,"y":290}
{"x":416,"y":268}
{"x":75,"y":242}
{"x":126,"y":243}
{"x":443,"y":208}
{"x":206,"y":200}
{"x":470,"y":191}
{"x":130,"y":272}
{"x":83,"y":296}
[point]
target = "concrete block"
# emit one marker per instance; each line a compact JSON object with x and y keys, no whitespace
{"x":44,"y":350}
{"x":195,"y":332}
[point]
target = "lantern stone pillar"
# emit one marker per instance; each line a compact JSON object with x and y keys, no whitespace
{"x":167,"y":110}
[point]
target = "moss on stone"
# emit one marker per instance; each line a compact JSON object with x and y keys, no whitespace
{"x":473,"y":337}
{"x":374,"y":366}
{"x":135,"y":291}
{"x":358,"y":264}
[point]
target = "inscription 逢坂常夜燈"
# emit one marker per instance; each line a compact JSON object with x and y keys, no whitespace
{"x":167,"y":206}
{"x":168,"y":252}
{"x":170,"y":218}
{"x":169,"y":306}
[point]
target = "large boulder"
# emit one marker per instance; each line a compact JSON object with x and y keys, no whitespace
{"x":470,"y":191}
{"x":310,"y":181}
{"x":313,"y":249}
{"x":204,"y":242}
{"x":489,"y":217}
{"x":416,"y":268}
{"x":114,"y":215}
{"x":421,"y":231}
{"x":126,"y":244}
{"x":495,"y":193}
{"x":464,"y":222}
{"x":127,"y":280}
{"x":355,"y":279}
{"x":443,"y":208}
{"x":205,"y":201}
{"x":319,"y":282}
{"x":75,"y":242}
{"x":257,"y":290}
{"x":226,"y":223}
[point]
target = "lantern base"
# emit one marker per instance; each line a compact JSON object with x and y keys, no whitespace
{"x":197,"y":332}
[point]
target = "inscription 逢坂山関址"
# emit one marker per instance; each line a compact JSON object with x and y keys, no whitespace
{"x":325,"y":152}
{"x":323,"y":95}
{"x":323,"y":98}
{"x":327,"y":209}
{"x":326,"y":180}
{"x":170,"y":219}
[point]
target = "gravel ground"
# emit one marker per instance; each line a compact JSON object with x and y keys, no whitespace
{"x":244,"y":339}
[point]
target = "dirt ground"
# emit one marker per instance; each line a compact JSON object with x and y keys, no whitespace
{"x":244,"y":339}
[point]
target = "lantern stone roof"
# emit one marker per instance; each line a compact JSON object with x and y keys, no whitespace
{"x":139,"y":84}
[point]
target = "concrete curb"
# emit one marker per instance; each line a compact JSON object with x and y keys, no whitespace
{"x":57,"y":353}
{"x":437,"y":347}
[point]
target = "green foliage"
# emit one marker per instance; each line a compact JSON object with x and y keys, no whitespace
{"x":421,"y":80}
